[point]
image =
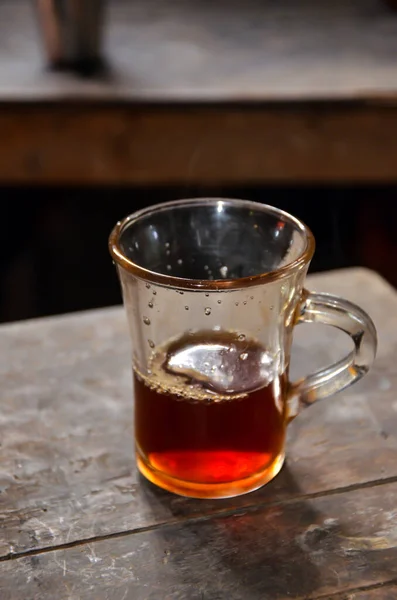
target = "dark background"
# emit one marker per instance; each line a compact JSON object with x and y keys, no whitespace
{"x":54,"y":256}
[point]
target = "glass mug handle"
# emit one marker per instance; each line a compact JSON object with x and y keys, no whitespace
{"x":346,"y":316}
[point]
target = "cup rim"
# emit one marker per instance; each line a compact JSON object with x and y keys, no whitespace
{"x":209,"y":284}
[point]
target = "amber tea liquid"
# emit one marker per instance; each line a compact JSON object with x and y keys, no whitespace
{"x":210,"y":416}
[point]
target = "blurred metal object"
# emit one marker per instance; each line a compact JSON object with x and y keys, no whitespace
{"x":72,"y":30}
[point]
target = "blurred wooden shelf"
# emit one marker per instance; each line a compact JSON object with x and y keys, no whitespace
{"x":207,"y":92}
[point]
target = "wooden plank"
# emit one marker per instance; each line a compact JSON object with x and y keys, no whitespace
{"x":67,"y":470}
{"x":305,"y":549}
{"x":120,"y":144}
{"x":383,"y":593}
{"x":184,"y":50}
{"x":242,"y":77}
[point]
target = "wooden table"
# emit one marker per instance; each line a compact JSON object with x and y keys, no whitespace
{"x":78,"y":522}
{"x":208,"y":93}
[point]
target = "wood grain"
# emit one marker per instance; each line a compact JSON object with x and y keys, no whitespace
{"x":206,"y":93}
{"x":67,"y":470}
{"x":307,"y":549}
{"x":124,"y":144}
{"x":384,"y":592}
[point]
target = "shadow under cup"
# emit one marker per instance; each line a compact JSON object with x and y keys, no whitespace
{"x":212,"y":290}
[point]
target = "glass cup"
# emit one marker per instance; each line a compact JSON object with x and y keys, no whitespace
{"x":213,"y":289}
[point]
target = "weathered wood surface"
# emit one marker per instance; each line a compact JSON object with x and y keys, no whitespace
{"x":215,"y":51}
{"x":207,"y":93}
{"x":301,"y":549}
{"x":384,"y":592}
{"x":67,"y":470}
{"x":72,"y":143}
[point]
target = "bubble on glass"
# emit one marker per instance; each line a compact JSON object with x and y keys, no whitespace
{"x":150,"y":304}
{"x":207,"y":295}
{"x":237,"y":303}
{"x":148,"y":286}
{"x":271,"y":307}
{"x":179,"y":261}
{"x":169,"y":267}
{"x":245,"y":302}
{"x":244,"y":356}
{"x":223,"y":270}
{"x":251,"y":297}
{"x":207,"y":310}
{"x":219,"y":301}
{"x":168,"y":252}
{"x":241,"y":337}
{"x":186,"y":307}
{"x":146,"y":320}
{"x":151,"y":343}
{"x":167,"y":244}
{"x":206,"y":267}
{"x":154,"y":292}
